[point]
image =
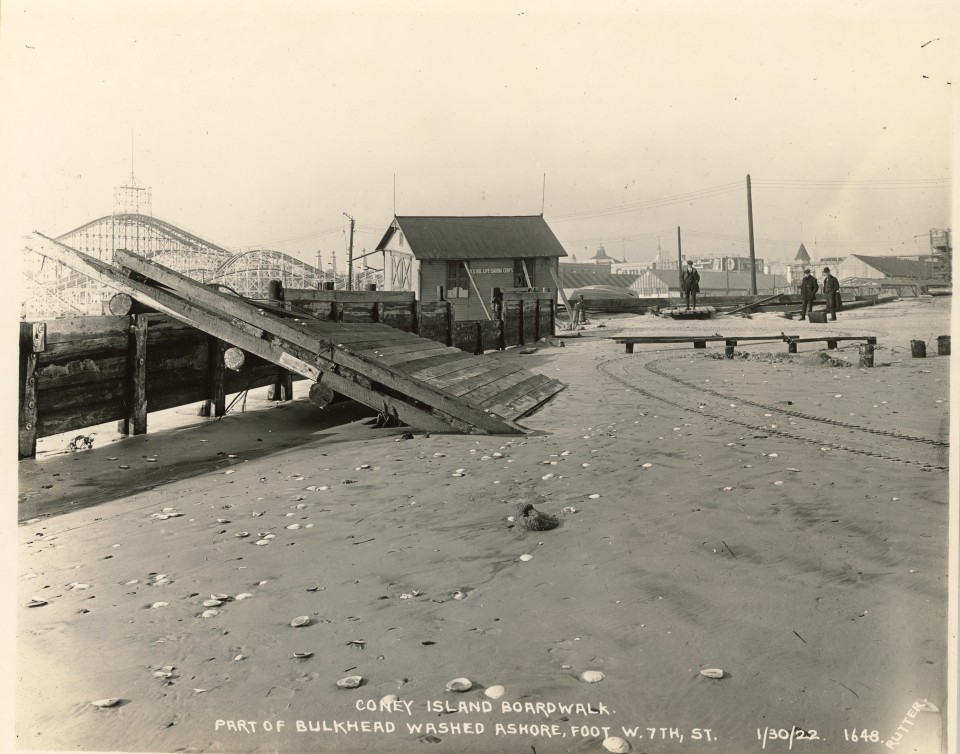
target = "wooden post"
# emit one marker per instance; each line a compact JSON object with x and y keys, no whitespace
{"x":282,"y":388}
{"x":417,"y":316}
{"x":520,"y":320}
{"x":321,"y":396}
{"x":216,"y":404}
{"x":336,"y":311}
{"x":918,"y":349}
{"x":629,"y":347}
{"x":731,"y":345}
{"x":536,"y":320}
{"x":478,"y":348}
{"x":377,"y":309}
{"x":699,"y":344}
{"x":553,"y":318}
{"x":562,"y":293}
{"x":791,"y":346}
{"x":866,"y":354}
{"x":831,"y":344}
{"x":33,"y":336}
{"x":450,"y":317}
{"x":135,"y":421}
{"x":234,"y":358}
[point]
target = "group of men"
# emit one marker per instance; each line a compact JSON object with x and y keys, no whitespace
{"x":831,"y":292}
{"x":690,"y":287}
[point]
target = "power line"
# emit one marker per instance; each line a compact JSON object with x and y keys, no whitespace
{"x":664,"y":201}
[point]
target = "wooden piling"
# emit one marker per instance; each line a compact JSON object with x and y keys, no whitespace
{"x":731,"y":345}
{"x":135,"y":415}
{"x":234,"y":358}
{"x":918,"y":349}
{"x":32,"y":342}
{"x":866,"y":355}
{"x":831,"y":344}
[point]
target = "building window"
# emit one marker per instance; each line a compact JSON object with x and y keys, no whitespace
{"x":458,"y":284}
{"x":400,"y":237}
{"x":519,"y":279}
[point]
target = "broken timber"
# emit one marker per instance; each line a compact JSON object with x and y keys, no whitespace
{"x":359,"y":361}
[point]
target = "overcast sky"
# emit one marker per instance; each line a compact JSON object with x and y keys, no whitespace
{"x":261,"y":123}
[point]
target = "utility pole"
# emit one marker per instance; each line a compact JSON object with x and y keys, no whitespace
{"x":350,"y":255}
{"x":753,"y":255}
{"x":679,"y":259}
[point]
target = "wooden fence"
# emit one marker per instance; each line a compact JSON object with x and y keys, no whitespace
{"x":89,"y":370}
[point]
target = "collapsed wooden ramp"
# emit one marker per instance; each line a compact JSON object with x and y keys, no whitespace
{"x":416,"y":381}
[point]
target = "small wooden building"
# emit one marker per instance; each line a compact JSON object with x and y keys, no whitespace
{"x":462,"y":259}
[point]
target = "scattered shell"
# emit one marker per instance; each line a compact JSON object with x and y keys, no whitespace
{"x":162,"y":674}
{"x":294,"y":526}
{"x":242,"y":534}
{"x":212,"y":603}
{"x":778,"y":483}
{"x":262,"y":542}
{"x":646,"y":465}
{"x":545,"y":477}
{"x":591,"y":676}
{"x":927,"y":706}
{"x":616,"y":744}
{"x":773,"y":455}
{"x":159,"y":604}
{"x":459,"y":684}
{"x":102,"y":703}
{"x":243,"y":596}
{"x":569,"y":509}
{"x":350,"y":682}
{"x":525,"y":558}
{"x":36,"y":602}
{"x":459,"y":595}
{"x":302,"y":620}
{"x":390,"y":699}
{"x":712,"y":673}
{"x":439,"y":455}
{"x":302,"y":655}
{"x":228,"y":471}
{"x":239,"y":657}
{"x":495,"y":692}
{"x":727,"y":489}
{"x":211,"y":613}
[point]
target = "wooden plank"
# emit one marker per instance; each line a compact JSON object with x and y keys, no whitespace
{"x":77,"y":397}
{"x":31,"y":341}
{"x":500,"y":403}
{"x":399,"y":359}
{"x":135,"y":420}
{"x":479,"y":388}
{"x":563,"y":295}
{"x":81,"y":371}
{"x":296,"y":295}
{"x":82,"y":328}
{"x":476,"y":289}
{"x":448,"y":366}
{"x":535,"y":398}
{"x":80,"y":418}
{"x":216,"y":369}
{"x":463,"y":371}
{"x":386,"y":375}
{"x":422,"y":368}
{"x":85,"y":348}
{"x":414,"y":345}
{"x":520,"y":295}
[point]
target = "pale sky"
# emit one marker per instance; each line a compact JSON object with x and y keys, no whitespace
{"x":260,"y":123}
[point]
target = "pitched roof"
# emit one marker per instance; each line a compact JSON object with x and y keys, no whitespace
{"x":802,"y":254}
{"x":483,"y":237}
{"x":583,"y":279}
{"x":713,"y":280}
{"x":895,"y":267}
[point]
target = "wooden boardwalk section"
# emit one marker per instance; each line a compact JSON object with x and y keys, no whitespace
{"x":416,"y":381}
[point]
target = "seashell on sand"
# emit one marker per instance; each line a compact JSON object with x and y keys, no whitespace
{"x":591,"y":676}
{"x":212,"y":603}
{"x":712,"y":672}
{"x":103,"y":703}
{"x":390,"y":699}
{"x":302,"y":620}
{"x":302,"y":655}
{"x":616,"y":745}
{"x":526,"y":558}
{"x":459,"y":684}
{"x":155,"y":605}
{"x":495,"y":692}
{"x":243,"y":596}
{"x":211,"y":613}
{"x":350,"y":682}
{"x":36,"y":602}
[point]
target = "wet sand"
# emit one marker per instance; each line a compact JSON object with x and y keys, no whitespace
{"x":805,"y":559}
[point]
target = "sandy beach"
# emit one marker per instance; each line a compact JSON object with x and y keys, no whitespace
{"x":781,"y":518}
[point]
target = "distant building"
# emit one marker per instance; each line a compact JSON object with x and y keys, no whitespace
{"x":600,"y":260}
{"x":666,"y":283}
{"x":462,"y":259}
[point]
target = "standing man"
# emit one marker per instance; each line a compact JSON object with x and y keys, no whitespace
{"x":808,"y":291}
{"x":831,"y":292}
{"x":690,"y":283}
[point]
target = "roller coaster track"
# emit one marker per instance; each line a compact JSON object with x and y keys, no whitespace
{"x":853,"y":438}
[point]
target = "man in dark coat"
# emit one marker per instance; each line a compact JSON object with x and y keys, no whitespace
{"x":831,"y":292}
{"x":690,"y":283}
{"x":808,"y":291}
